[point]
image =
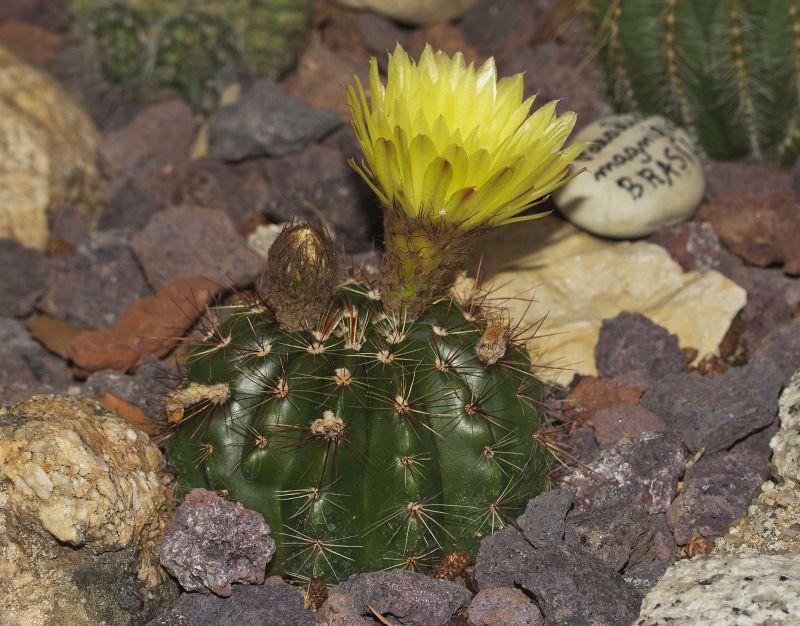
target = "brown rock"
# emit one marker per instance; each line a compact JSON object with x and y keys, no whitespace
{"x":761,"y":230}
{"x":34,"y":42}
{"x":150,"y":325}
{"x":614,"y":423}
{"x":593,"y":394}
{"x":735,"y":177}
{"x":55,"y":335}
{"x":503,"y":606}
{"x":129,"y":412}
{"x":150,"y":147}
{"x":189,"y":241}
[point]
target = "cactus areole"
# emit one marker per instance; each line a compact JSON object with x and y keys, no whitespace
{"x":385,"y":422}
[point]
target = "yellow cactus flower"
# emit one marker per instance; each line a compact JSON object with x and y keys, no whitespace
{"x":443,"y":139}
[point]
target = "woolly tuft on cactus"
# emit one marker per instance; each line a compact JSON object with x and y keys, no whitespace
{"x":385,"y":422}
{"x":727,"y":70}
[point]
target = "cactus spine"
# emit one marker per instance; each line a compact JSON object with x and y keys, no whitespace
{"x":727,"y":70}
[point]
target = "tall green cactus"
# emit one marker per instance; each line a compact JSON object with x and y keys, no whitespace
{"x":727,"y":70}
{"x":148,"y":46}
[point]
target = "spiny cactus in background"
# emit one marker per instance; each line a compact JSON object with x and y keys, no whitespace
{"x":727,"y":70}
{"x":148,"y":46}
{"x":383,"y":423}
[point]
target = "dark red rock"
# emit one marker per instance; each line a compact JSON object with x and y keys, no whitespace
{"x":23,"y":278}
{"x":211,"y":543}
{"x":714,"y":412}
{"x":693,"y":245}
{"x":189,"y":241}
{"x":717,"y":491}
{"x":148,"y":148}
{"x":762,"y":230}
{"x":633,"y":345}
{"x":642,"y":471}
{"x":570,"y":586}
{"x":32,"y":42}
{"x":264,"y":605}
{"x":407,"y":596}
{"x":737,"y":177}
{"x":130,"y":207}
{"x":379,"y":36}
{"x":618,"y":534}
{"x":624,"y":421}
{"x":782,"y":347}
{"x":503,"y":606}
{"x":594,"y":394}
{"x":239,"y":190}
{"x":93,"y":287}
{"x":152,"y":325}
{"x":340,"y":610}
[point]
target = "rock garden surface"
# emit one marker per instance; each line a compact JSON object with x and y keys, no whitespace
{"x":667,"y":316}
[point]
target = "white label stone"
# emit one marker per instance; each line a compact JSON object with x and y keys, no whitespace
{"x":643,"y":172}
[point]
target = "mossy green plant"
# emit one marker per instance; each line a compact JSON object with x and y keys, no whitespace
{"x":726,"y":70}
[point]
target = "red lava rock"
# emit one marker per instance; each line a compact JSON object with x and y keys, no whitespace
{"x":240,"y":190}
{"x":150,"y":325}
{"x":321,"y":78}
{"x":593,"y":394}
{"x":717,"y":492}
{"x":762,"y":230}
{"x":736,"y":177}
{"x":782,"y":346}
{"x":149,"y":147}
{"x":23,"y":278}
{"x":38,"y":44}
{"x":93,"y":287}
{"x":503,"y":606}
{"x":340,"y":32}
{"x":631,"y":344}
{"x":56,"y":335}
{"x":618,"y":422}
{"x":380,"y":35}
{"x":189,"y":241}
{"x":502,"y":29}
{"x":212,"y":543}
{"x":693,"y":245}
{"x":643,"y":470}
{"x":543,"y":519}
{"x":340,"y":610}
{"x":714,"y":412}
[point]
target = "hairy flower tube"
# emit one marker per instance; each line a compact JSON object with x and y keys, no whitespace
{"x":451,"y":151}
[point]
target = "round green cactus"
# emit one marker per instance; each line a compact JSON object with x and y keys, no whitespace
{"x":366,"y":444}
{"x":726,"y":70}
{"x":147,"y":47}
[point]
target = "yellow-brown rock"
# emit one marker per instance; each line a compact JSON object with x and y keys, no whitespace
{"x":83,"y":502}
{"x":47,"y":152}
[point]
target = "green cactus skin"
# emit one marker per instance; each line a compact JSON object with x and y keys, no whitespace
{"x":727,"y":70}
{"x":148,"y":46}
{"x":365,"y":444}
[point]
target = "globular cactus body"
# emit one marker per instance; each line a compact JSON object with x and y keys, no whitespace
{"x":366,"y":443}
{"x":149,"y":46}
{"x":726,"y":70}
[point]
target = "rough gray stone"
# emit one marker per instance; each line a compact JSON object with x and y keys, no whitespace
{"x":643,"y":470}
{"x":266,"y":121}
{"x":190,"y":241}
{"x":618,"y":535}
{"x":632,"y":344}
{"x":26,"y":368}
{"x":543,"y":519}
{"x":716,"y":492}
{"x":409,"y":598}
{"x":714,"y":412}
{"x":786,"y":443}
{"x":782,"y":347}
{"x":22,"y":279}
{"x":644,"y":576}
{"x":726,"y":590}
{"x":93,"y":287}
{"x":212,"y":543}
{"x":569,"y":586}
{"x":249,"y":605}
{"x":503,"y":606}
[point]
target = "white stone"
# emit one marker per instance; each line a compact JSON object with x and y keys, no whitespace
{"x":414,"y":11}
{"x":577,"y":280}
{"x":642,"y":173}
{"x":726,"y":590}
{"x":786,"y":442}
